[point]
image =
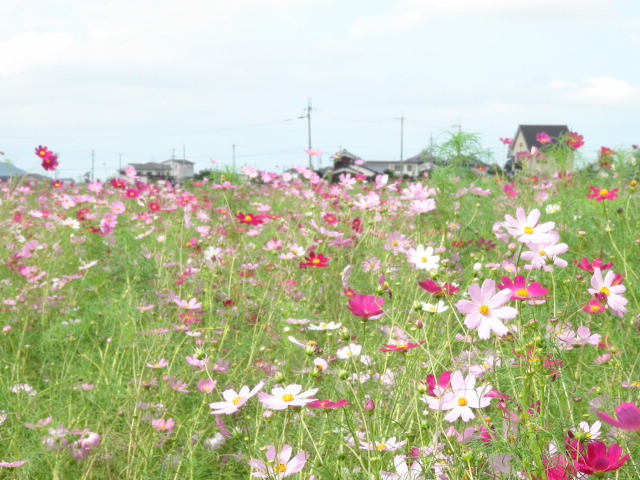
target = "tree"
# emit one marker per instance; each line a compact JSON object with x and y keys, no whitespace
{"x":463,"y":149}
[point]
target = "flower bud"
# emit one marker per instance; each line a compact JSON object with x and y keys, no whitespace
{"x":267,"y":415}
{"x":369,"y":406}
{"x":278,"y":377}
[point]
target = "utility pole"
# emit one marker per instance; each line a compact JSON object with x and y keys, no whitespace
{"x":309,"y":132}
{"x":93,"y":165}
{"x":120,"y":164}
{"x":234,"y":157}
{"x":401,"y":136}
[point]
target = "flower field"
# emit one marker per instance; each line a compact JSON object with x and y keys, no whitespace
{"x":457,"y":326}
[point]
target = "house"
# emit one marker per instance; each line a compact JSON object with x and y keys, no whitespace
{"x":530,"y":138}
{"x":412,"y":167}
{"x":179,"y":169}
{"x":172,"y":170}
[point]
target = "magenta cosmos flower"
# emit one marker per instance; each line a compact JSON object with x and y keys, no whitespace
{"x":485,"y":310}
{"x":289,"y":396}
{"x":628,"y":417}
{"x":520,"y":290}
{"x":601,"y":194}
{"x":368,"y":307}
{"x":598,"y":458}
{"x":279,"y":465}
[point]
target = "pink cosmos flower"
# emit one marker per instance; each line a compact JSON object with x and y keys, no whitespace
{"x":405,"y":472}
{"x":328,"y":404}
{"x":628,"y":417}
{"x":506,"y":141}
{"x":544,"y":255}
{"x":526,"y":227}
{"x":233,"y":401}
{"x":543,"y":138}
{"x":289,"y":396}
{"x":279,"y":465}
{"x":582,"y":336}
{"x":14,"y":464}
{"x":485,"y":310}
{"x":387,"y":445}
{"x":368,"y":307}
{"x":520,"y":290}
{"x":163,"y":425}
{"x":192,"y":304}
{"x":574,"y":140}
{"x":206,"y":385}
{"x":444,"y":382}
{"x":601,"y":194}
{"x":159,"y":364}
{"x":610,"y":287}
{"x":460,"y":398}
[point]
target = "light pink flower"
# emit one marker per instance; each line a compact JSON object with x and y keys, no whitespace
{"x":387,"y":445}
{"x":610,"y":287}
{"x":460,"y":398}
{"x":485,"y":310}
{"x":234,"y":400}
{"x":526,"y":227}
{"x":279,"y":465}
{"x":289,"y":396}
{"x":192,"y":304}
{"x":163,"y":425}
{"x":404,"y":471}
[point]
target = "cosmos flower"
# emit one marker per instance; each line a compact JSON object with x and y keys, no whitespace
{"x":368,"y":307}
{"x":460,"y":397}
{"x":289,"y":396}
{"x":520,"y":290}
{"x":628,"y":417}
{"x":279,"y":465}
{"x":526,"y":227}
{"x":234,"y":400}
{"x":423,"y":258}
{"x":601,"y":194}
{"x":485,"y":310}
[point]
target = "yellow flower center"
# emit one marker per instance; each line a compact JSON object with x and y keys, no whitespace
{"x":316,"y":261}
{"x":604,"y":290}
{"x":522,"y":292}
{"x":281,"y":467}
{"x":402,"y":345}
{"x":423,"y":259}
{"x":594,"y":308}
{"x":462,"y":402}
{"x":528,"y":230}
{"x":604,"y":192}
{"x":484,"y":309}
{"x":382,"y":446}
{"x":247,"y":218}
{"x":287,"y":397}
{"x":542,"y":253}
{"x":236,"y":400}
{"x":323,"y":325}
{"x":395,"y":243}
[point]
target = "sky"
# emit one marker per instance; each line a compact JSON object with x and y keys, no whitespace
{"x":104,"y":83}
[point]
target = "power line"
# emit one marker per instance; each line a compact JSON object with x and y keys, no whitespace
{"x":155,"y":135}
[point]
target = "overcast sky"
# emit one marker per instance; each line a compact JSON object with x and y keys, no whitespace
{"x":143,"y":80}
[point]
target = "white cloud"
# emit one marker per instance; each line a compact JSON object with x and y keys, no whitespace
{"x":31,"y":50}
{"x":413,"y":12}
{"x":598,"y":91}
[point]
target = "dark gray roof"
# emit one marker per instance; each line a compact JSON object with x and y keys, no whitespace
{"x":182,"y":162}
{"x":530,"y":131}
{"x":148,"y":166}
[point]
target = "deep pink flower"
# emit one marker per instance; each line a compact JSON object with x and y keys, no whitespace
{"x":315,"y":260}
{"x":328,"y":404}
{"x":574,"y":140}
{"x":601,"y":194}
{"x":520,"y":290}
{"x":597,"y":457}
{"x":543,"y":138}
{"x":368,"y":307}
{"x":434,"y":288}
{"x":506,"y":141}
{"x":597,"y":263}
{"x":628,"y":417}
{"x":444,"y":382}
{"x":400,"y":347}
